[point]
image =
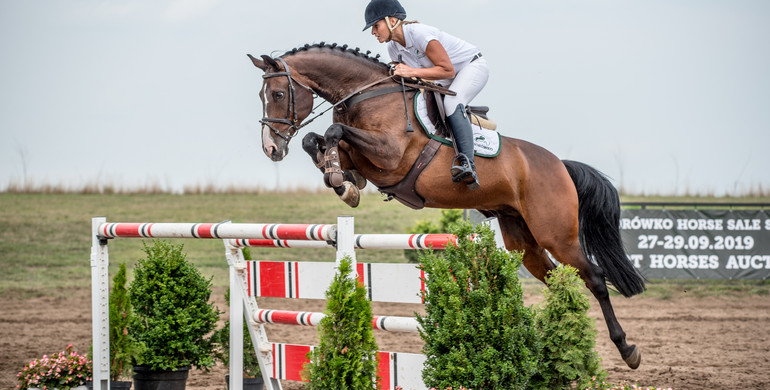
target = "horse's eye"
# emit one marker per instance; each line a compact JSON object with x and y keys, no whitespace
{"x":278,"y":95}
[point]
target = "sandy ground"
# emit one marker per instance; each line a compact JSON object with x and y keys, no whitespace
{"x":686,"y":342}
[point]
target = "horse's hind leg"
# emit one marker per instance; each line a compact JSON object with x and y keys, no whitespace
{"x":517,"y":236}
{"x":557,"y":231}
{"x":568,"y":251}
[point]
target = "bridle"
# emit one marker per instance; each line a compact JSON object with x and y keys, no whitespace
{"x":294,"y":123}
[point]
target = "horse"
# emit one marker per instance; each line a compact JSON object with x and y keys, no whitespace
{"x":543,"y":204}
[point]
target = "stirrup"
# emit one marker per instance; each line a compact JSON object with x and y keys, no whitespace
{"x":463,"y":171}
{"x":461,"y":168}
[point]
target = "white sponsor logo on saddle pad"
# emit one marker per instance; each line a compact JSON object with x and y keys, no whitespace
{"x":486,"y":142}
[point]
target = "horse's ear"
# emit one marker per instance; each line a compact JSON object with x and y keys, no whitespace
{"x":271,"y":62}
{"x":258,"y":63}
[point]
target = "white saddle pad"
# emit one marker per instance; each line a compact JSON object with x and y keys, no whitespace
{"x":486,"y":142}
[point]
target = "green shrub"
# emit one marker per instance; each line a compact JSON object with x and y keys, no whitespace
{"x":346,"y":357}
{"x":477,"y":331}
{"x":173,"y":314}
{"x":124,"y":348}
{"x":448,"y":218}
{"x":568,"y":334}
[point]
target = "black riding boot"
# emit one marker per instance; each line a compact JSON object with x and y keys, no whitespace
{"x":463,"y":169}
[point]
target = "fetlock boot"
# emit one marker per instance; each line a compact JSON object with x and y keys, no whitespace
{"x":463,"y":168}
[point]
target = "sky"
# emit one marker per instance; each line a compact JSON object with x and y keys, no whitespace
{"x":663,"y":96}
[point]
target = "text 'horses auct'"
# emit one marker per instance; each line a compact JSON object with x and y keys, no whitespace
{"x":543,"y":204}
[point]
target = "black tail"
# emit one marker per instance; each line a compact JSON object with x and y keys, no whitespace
{"x":599,"y":216}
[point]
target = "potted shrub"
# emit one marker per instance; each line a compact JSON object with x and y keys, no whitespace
{"x":173,"y":317}
{"x":252,"y":375}
{"x":62,"y":370}
{"x":124,"y":348}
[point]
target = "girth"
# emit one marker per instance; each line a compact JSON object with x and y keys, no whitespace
{"x":405,"y":191}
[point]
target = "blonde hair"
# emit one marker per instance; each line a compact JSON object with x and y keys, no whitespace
{"x":398,"y":22}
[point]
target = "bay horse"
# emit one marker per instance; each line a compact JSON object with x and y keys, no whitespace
{"x":566,"y":208}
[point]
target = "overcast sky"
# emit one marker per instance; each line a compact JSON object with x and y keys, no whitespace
{"x":664,"y":96}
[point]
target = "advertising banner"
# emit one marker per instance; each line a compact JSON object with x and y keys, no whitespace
{"x":698,"y":243}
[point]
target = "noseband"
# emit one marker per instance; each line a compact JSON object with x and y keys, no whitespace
{"x":293,"y":123}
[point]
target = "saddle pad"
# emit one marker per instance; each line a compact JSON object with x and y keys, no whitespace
{"x":486,"y":142}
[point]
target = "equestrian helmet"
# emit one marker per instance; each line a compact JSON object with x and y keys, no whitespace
{"x":379,"y":9}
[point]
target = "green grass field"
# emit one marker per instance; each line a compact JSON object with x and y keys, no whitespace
{"x":45,"y":238}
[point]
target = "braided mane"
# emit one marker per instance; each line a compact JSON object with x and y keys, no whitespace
{"x":343,"y":49}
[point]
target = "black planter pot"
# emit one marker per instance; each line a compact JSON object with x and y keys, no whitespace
{"x":114,"y":385}
{"x":248,"y":383}
{"x":146,"y":379}
{"x":120,"y":385}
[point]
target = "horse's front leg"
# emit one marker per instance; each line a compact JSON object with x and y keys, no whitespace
{"x":315,"y":146}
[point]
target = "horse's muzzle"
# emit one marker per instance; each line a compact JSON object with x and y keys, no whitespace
{"x":275,"y":151}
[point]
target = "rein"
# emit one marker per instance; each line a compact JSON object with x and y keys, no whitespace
{"x":294,"y":124}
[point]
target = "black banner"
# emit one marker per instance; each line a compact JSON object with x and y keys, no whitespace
{"x":698,"y":243}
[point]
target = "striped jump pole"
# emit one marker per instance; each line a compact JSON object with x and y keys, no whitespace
{"x":306,"y":318}
{"x":222,"y":230}
{"x":361,"y":241}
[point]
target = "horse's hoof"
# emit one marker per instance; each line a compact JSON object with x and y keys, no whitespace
{"x":358,"y":178}
{"x":334,"y":179}
{"x":634,"y":359}
{"x":351,"y":196}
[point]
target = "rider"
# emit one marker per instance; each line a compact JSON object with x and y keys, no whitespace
{"x":431,"y":54}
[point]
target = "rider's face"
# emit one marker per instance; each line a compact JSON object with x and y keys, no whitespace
{"x":381,"y":32}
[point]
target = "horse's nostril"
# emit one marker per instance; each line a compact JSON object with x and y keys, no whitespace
{"x":270,"y":150}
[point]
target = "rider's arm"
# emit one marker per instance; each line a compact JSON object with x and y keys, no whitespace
{"x":442,"y":66}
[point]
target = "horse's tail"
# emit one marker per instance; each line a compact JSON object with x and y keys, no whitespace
{"x":599,"y":216}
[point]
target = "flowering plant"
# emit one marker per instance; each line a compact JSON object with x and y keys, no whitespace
{"x":62,"y":370}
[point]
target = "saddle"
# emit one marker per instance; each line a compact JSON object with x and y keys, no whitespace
{"x":435,"y":104}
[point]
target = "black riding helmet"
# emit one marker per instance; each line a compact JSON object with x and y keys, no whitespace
{"x":379,"y":9}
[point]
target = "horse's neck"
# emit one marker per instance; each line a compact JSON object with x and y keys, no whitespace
{"x":334,"y":78}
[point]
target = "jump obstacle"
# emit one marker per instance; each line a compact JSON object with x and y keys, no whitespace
{"x":399,"y":283}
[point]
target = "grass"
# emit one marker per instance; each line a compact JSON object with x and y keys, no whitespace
{"x":45,"y":237}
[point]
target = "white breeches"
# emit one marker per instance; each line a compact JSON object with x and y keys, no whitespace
{"x":467,"y":83}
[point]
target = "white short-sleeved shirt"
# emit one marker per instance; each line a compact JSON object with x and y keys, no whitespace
{"x":417,"y":36}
